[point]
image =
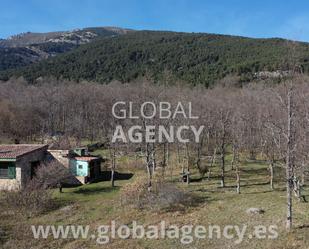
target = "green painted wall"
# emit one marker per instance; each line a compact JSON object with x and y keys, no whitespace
{"x":79,"y":168}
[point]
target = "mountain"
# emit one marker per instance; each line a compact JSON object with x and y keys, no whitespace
{"x":195,"y":58}
{"x":27,"y":48}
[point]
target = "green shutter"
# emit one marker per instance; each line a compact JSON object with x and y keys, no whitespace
{"x":12,"y":171}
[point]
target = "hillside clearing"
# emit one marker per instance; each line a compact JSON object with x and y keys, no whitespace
{"x":98,"y":204}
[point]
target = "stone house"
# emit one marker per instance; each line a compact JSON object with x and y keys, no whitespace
{"x":18,"y":164}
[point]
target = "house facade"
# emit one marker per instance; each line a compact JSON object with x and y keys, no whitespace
{"x":18,"y":164}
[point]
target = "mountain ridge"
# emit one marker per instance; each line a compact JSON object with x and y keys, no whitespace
{"x":195,"y":58}
{"x":27,"y":48}
{"x":31,"y":38}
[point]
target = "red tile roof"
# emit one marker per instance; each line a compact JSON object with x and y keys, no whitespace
{"x":12,"y":151}
{"x":86,"y":158}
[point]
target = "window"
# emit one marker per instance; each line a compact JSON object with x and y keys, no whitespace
{"x":80,"y":166}
{"x":7,"y":170}
{"x":4,"y":171}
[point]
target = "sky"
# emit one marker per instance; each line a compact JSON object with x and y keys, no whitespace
{"x":252,"y":18}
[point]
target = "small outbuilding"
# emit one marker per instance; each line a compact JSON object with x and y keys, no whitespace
{"x":18,"y":163}
{"x":83,"y":166}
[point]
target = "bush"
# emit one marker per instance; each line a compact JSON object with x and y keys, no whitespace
{"x":51,"y":175}
{"x":28,"y":201}
{"x":36,"y":197}
{"x":163,"y":196}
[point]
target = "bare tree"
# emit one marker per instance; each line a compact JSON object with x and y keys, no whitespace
{"x":51,"y":175}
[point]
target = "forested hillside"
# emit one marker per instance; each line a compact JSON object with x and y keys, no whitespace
{"x":27,"y":48}
{"x":195,"y":58}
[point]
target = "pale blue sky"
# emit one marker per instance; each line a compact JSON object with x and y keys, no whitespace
{"x":263,"y":18}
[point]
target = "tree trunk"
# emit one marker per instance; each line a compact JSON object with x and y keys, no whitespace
{"x":237,"y":169}
{"x":188,"y":164}
{"x":303,"y":179}
{"x":154,"y":161}
{"x":234,"y":157}
{"x":271,"y":171}
{"x":289,"y":165}
{"x":303,"y":174}
{"x":113,"y":167}
{"x":60,"y":187}
{"x":222,"y":166}
{"x":149,"y":166}
{"x":113,"y":178}
{"x":178,"y":157}
{"x":164,"y":155}
{"x":213,"y":159}
{"x":167,"y":160}
{"x":237,"y":179}
{"x":289,"y":200}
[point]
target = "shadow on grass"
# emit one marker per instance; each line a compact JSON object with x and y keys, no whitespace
{"x":258,"y":192}
{"x":196,"y":179}
{"x":206,"y":178}
{"x":198,"y":200}
{"x":255,"y":184}
{"x":205,"y":190}
{"x":106,"y":176}
{"x":261,"y":171}
{"x":305,"y":226}
{"x":95,"y":190}
{"x":306,"y":197}
{"x":256,"y":162}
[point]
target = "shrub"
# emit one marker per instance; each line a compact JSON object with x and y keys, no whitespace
{"x":51,"y":175}
{"x":36,"y":196}
{"x":28,"y":201}
{"x":163,"y":195}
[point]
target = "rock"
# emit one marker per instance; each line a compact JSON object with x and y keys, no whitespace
{"x":255,"y":211}
{"x":67,"y":208}
{"x":6,"y":213}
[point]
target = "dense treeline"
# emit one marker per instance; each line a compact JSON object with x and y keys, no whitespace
{"x":16,"y":57}
{"x":168,"y":57}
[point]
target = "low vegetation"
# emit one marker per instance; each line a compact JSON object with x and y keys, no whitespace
{"x":98,"y":204}
{"x":163,"y":195}
{"x":36,"y":197}
{"x":28,"y":202}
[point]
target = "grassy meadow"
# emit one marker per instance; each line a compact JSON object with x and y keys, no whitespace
{"x":98,"y":204}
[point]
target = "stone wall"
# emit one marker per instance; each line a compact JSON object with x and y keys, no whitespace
{"x":11,"y":184}
{"x":25,"y":164}
{"x":23,"y":170}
